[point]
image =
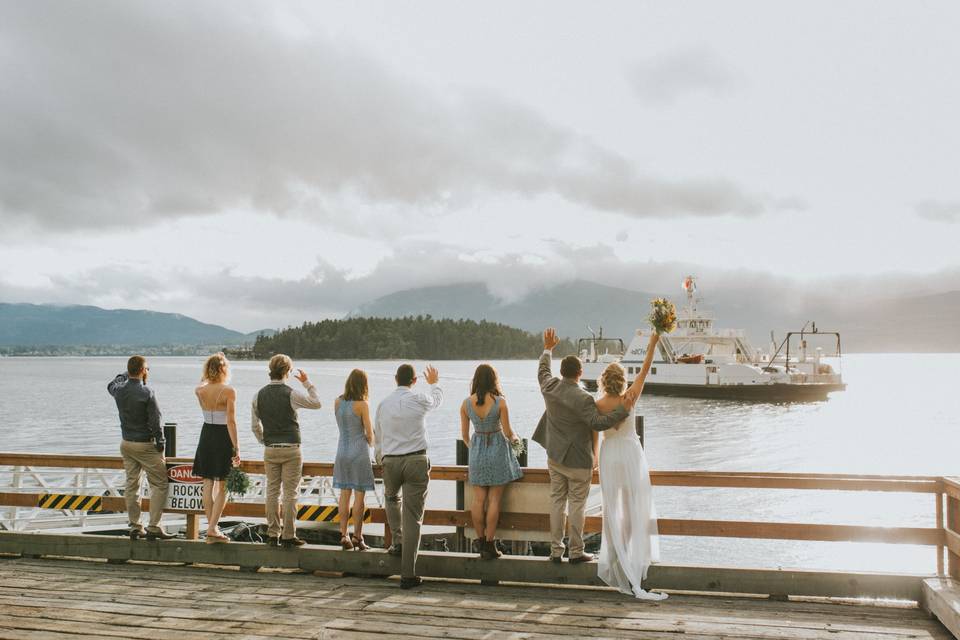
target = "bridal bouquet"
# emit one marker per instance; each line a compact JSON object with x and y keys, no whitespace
{"x":663,"y":317}
{"x":518,"y":448}
{"x":238,"y":482}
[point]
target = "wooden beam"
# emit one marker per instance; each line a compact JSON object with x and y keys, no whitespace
{"x":525,"y":569}
{"x":737,"y":479}
{"x":941,"y":598}
{"x":951,"y":486}
{"x":667,"y":526}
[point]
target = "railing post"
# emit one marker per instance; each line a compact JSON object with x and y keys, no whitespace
{"x":953,"y":523}
{"x":939,"y":497}
{"x":463,"y":458}
{"x":170,"y":436}
{"x":638,"y":425}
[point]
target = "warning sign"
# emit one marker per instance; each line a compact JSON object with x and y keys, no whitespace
{"x":186,"y":490}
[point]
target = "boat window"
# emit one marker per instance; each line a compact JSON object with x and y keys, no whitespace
{"x":653,"y":371}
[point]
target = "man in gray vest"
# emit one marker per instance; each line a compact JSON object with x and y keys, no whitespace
{"x":274,"y":423}
{"x":565,"y":431}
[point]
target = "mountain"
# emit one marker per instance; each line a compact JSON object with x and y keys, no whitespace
{"x":31,"y":324}
{"x":909,"y":324}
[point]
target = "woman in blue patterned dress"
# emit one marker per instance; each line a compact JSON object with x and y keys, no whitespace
{"x":352,"y":470}
{"x":492,"y":463}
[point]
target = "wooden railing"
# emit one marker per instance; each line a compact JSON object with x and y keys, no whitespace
{"x":943,"y":536}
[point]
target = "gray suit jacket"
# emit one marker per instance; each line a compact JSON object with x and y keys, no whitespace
{"x":564,"y":429}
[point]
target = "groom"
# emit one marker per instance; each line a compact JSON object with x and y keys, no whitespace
{"x":565,"y":432}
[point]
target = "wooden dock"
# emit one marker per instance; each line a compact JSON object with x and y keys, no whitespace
{"x":42,"y":599}
{"x":257,"y":586}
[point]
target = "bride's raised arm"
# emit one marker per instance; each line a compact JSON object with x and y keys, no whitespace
{"x":637,"y":387}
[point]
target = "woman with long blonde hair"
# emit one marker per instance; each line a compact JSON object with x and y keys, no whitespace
{"x":352,"y":470}
{"x":219,"y":449}
{"x":629,"y":540}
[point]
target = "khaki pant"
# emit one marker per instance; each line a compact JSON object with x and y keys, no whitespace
{"x":568,"y":486}
{"x":283,"y":467}
{"x":139,"y":457}
{"x":409,"y":476}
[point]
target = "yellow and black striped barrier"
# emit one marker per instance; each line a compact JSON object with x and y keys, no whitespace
{"x":70,"y":502}
{"x":323,"y":513}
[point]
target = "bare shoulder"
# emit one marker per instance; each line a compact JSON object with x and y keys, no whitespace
{"x":229,"y":392}
{"x":502,"y":400}
{"x":361,"y":407}
{"x":606,"y":404}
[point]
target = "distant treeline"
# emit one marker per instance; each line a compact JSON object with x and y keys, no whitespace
{"x":414,"y":338}
{"x":99,"y":350}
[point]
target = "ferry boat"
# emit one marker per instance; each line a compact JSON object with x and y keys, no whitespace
{"x":699,"y":361}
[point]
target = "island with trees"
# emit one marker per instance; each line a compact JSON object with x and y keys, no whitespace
{"x":413,"y":337}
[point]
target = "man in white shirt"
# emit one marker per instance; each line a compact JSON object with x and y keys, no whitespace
{"x":275,"y":425}
{"x":401,"y":447}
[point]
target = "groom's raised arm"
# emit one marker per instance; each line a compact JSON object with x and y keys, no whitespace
{"x":544,"y":372}
{"x":599,"y":421}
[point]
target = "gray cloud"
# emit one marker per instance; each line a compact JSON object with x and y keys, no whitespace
{"x":938,"y":211}
{"x":669,"y":77}
{"x":123,"y":114}
{"x":251,"y":302}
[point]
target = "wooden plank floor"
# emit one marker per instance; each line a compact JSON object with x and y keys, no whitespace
{"x":46,"y":598}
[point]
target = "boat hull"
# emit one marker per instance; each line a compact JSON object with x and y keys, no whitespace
{"x":747,"y":392}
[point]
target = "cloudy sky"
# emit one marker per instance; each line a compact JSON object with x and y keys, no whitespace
{"x":259,"y":164}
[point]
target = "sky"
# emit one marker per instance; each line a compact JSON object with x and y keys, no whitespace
{"x":260,"y":164}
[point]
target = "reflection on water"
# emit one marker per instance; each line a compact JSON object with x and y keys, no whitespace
{"x":898,"y":416}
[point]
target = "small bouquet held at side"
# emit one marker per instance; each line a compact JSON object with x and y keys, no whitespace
{"x":517,"y":447}
{"x":238,"y":482}
{"x":663,"y":315}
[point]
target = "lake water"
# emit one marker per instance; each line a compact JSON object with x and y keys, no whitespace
{"x":899,"y":415}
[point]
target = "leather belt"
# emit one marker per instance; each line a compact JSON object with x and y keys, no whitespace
{"x":421,"y":452}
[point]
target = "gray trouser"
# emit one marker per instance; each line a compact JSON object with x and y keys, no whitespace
{"x":283,"y":467}
{"x":567,"y":486}
{"x":409,"y":476}
{"x":137,"y":458}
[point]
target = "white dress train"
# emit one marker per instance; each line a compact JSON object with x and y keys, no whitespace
{"x":629,"y":542}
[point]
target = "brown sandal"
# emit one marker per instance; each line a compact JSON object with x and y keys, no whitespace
{"x":359,"y":543}
{"x":345,"y":543}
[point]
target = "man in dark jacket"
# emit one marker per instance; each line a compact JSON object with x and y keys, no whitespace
{"x":141,"y":447}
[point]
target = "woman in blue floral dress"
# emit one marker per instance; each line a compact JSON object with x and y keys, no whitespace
{"x":492,"y":463}
{"x":352,"y":470}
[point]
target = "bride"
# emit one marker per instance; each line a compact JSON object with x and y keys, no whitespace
{"x":629,"y":540}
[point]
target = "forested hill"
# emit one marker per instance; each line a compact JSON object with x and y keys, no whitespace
{"x":420,"y":337}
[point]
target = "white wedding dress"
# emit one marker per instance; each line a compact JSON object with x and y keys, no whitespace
{"x":629,"y":541}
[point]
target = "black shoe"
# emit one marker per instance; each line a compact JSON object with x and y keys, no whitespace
{"x":159,"y":534}
{"x":289,"y":543}
{"x":556,"y":559}
{"x":410,"y":583}
{"x":136,"y":533}
{"x":586,"y":557}
{"x":272,"y":541}
{"x":395,"y":550}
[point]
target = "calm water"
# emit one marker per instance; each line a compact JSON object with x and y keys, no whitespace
{"x":898,"y":416}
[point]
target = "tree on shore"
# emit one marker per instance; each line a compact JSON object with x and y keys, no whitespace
{"x":420,"y":337}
